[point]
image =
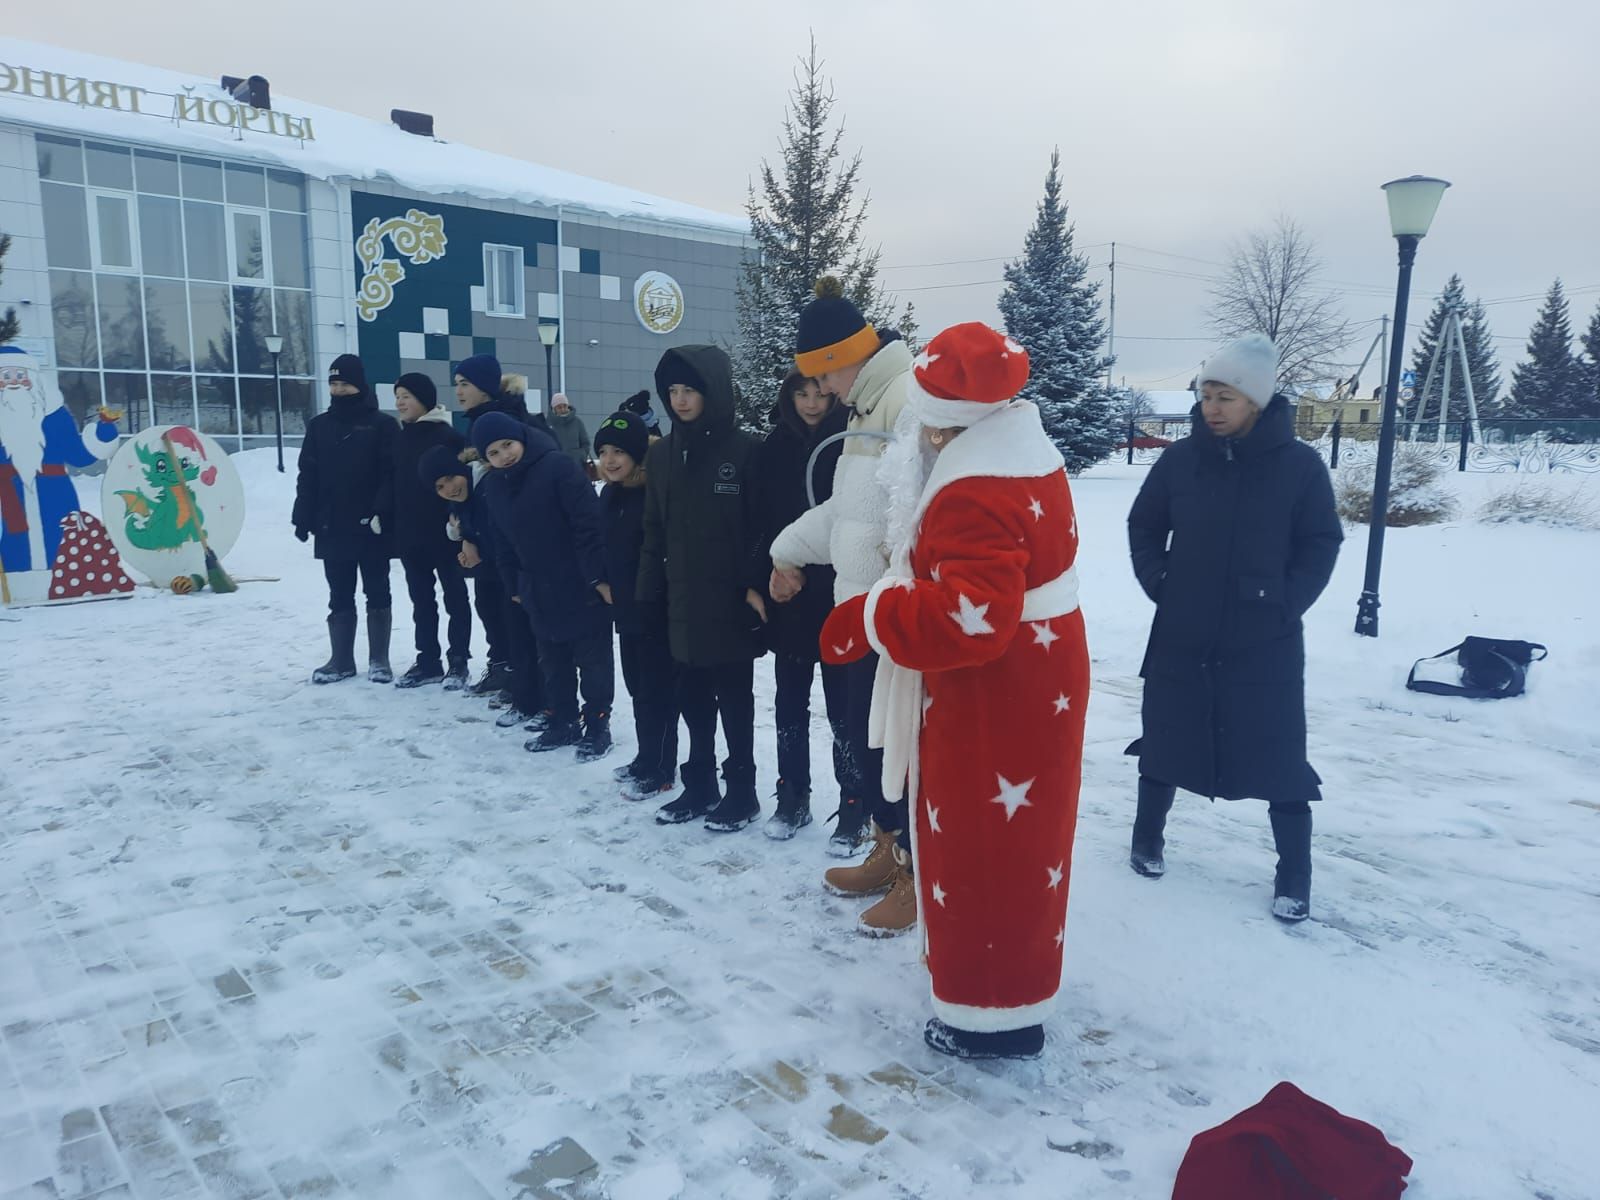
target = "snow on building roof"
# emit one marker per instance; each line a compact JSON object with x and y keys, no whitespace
{"x":105,"y":97}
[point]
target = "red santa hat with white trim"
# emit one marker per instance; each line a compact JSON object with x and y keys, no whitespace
{"x":964,"y":374}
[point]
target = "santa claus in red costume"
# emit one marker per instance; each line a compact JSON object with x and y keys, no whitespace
{"x":982,"y":685}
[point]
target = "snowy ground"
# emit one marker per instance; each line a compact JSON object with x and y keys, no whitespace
{"x":260,"y":939}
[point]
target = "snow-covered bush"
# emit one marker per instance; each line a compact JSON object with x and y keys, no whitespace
{"x":1527,"y":502}
{"x":1418,"y":494}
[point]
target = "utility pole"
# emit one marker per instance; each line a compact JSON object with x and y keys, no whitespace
{"x":1111,"y":329}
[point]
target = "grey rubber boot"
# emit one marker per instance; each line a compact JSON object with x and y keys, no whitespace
{"x":1291,"y":888}
{"x":341,"y":662}
{"x":378,"y":669}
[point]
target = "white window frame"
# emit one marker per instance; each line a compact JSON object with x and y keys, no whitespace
{"x":261,"y":215}
{"x":518,"y":278}
{"x":130,"y":203}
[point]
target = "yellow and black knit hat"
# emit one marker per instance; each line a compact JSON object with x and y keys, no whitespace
{"x":832,"y":333}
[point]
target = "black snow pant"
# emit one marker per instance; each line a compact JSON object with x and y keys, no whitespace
{"x":649,"y":674}
{"x":703,"y":693}
{"x":585,"y":663}
{"x":489,"y":599}
{"x":889,"y":813}
{"x":420,"y":573}
{"x":341,"y":576}
{"x":522,"y":653}
{"x":793,"y":712}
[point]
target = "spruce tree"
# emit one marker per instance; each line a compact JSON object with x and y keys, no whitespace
{"x":10,"y":327}
{"x":805,"y":222}
{"x":1481,"y":359}
{"x":1550,"y":383}
{"x":1052,"y":309}
{"x":1591,"y":346}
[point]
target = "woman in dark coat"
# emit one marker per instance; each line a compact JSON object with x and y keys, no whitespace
{"x":344,"y":498}
{"x":422,"y":539}
{"x":793,"y":628}
{"x":1233,"y":535}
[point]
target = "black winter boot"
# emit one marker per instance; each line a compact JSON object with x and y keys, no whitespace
{"x":1149,"y":825}
{"x":699,"y":796}
{"x":1291,"y":888}
{"x":378,"y":669}
{"x":1026,"y":1042}
{"x":739,"y":807}
{"x":851,"y":833}
{"x":341,"y":662}
{"x":596,"y":740}
{"x":420,"y":673}
{"x":556,"y":735}
{"x":496,"y":679}
{"x":793,"y":813}
{"x":648,"y":784}
{"x":455,"y":676}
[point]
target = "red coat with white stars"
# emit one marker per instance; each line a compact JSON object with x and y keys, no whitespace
{"x":983,"y":711}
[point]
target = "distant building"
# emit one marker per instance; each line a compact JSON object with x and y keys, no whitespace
{"x":163,"y":226}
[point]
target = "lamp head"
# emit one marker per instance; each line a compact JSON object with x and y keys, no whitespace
{"x":1412,"y":204}
{"x":549,"y":332}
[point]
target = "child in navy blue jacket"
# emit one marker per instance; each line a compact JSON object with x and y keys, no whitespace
{"x":546,"y":520}
{"x":619,"y":446}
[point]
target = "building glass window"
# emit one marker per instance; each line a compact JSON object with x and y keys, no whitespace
{"x":111,"y":232}
{"x":503,"y":281}
{"x":167,"y":274}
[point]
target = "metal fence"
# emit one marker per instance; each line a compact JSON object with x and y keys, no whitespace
{"x":1495,"y":445}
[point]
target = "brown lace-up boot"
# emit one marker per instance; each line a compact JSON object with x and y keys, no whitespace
{"x":896,"y":912}
{"x":872,"y":875}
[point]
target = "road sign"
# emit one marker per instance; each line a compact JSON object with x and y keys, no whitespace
{"x":1408,"y":379}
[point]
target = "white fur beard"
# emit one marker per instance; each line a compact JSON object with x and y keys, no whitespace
{"x":22,"y":431}
{"x":902,"y":474}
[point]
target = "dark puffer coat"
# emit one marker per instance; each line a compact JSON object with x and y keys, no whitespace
{"x":702,"y":536}
{"x":346,"y":477}
{"x":624,"y":516}
{"x":795,"y":627}
{"x":420,"y":516}
{"x":1254,"y":535}
{"x":546,"y":514}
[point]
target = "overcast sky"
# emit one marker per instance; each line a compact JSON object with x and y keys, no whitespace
{"x":1182,"y":124}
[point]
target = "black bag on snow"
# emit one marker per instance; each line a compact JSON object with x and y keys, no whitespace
{"x":1478,"y":668}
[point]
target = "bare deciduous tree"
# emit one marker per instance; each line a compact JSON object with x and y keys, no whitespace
{"x":1270,"y":286}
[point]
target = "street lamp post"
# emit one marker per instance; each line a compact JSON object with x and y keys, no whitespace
{"x":549,"y":331}
{"x":275,"y":348}
{"x":1412,"y":203}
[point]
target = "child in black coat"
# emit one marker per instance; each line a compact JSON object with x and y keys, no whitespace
{"x":546,"y":519}
{"x":453,"y":476}
{"x":620,"y":445}
{"x":344,"y":498}
{"x":803,"y":418}
{"x":420,"y":536}
{"x":704,"y":556}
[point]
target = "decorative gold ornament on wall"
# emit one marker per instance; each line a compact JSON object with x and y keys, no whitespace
{"x":417,"y":236}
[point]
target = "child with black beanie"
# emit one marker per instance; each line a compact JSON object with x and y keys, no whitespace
{"x":703,"y":554}
{"x":547,"y":519}
{"x":620,"y":445}
{"x":424,"y":547}
{"x":344,"y":498}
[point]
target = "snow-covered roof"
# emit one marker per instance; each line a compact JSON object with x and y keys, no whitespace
{"x":187,"y":112}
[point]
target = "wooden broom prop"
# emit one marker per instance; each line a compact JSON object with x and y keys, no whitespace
{"x":219,"y":579}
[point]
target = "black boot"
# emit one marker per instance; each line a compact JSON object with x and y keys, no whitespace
{"x":1291,"y":888}
{"x":1026,"y":1042}
{"x":341,"y":662}
{"x":556,"y":735}
{"x":378,"y":669}
{"x":496,"y":679}
{"x":455,"y":676}
{"x":1149,"y":824}
{"x":793,"y":813}
{"x":596,"y":740}
{"x":699,"y":796}
{"x":421,"y":672}
{"x":851,"y":833}
{"x":739,"y":807}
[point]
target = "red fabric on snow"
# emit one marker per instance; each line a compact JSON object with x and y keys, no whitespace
{"x":1291,"y":1147}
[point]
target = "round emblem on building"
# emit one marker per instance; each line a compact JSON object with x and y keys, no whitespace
{"x":725,"y":472}
{"x":658,"y":302}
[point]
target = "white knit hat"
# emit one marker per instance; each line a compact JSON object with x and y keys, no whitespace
{"x":1249,"y":365}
